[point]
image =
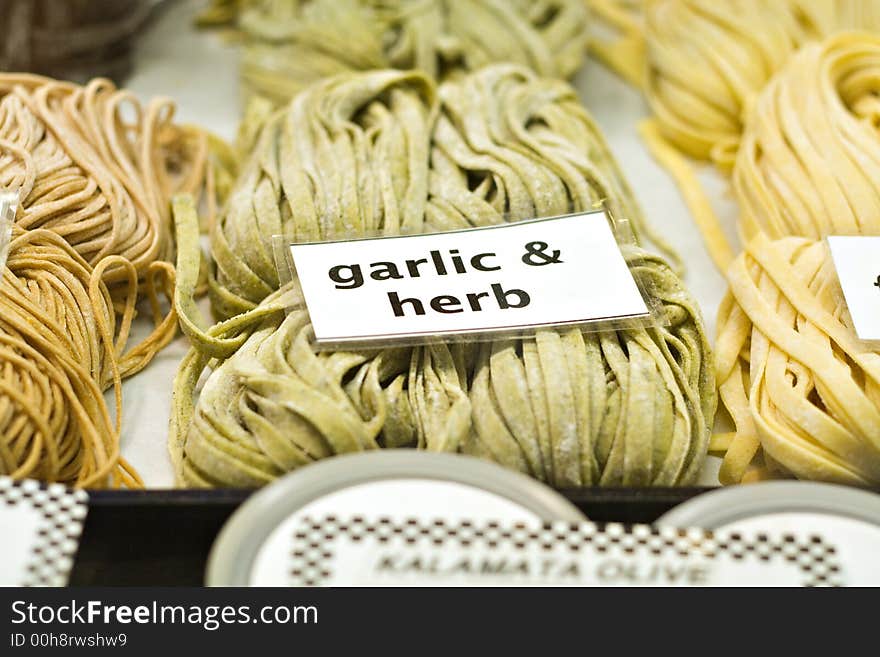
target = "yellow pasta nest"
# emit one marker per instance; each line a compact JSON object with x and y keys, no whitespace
{"x":803,"y":391}
{"x":809,"y":164}
{"x":708,"y":60}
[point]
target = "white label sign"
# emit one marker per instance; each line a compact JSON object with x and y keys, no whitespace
{"x":370,"y":551}
{"x":408,"y":497}
{"x":857,"y":260}
{"x":40,"y":527}
{"x":547,"y":272}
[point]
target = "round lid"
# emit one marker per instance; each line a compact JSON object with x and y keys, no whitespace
{"x":848,"y":518}
{"x":401,"y":484}
{"x":726,"y":506}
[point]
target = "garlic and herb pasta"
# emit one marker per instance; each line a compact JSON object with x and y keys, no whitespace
{"x":501,"y":144}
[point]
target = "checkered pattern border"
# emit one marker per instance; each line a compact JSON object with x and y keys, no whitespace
{"x":311,"y":553}
{"x":62,"y":513}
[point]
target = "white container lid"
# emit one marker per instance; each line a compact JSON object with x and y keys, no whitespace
{"x":727,"y":506}
{"x":848,"y":518}
{"x":252,"y":547}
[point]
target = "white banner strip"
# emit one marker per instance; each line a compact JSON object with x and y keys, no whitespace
{"x":328,"y":551}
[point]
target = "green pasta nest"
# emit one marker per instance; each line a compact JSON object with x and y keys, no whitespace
{"x":289,"y":44}
{"x":383,"y":153}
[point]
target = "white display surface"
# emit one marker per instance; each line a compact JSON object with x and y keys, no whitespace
{"x":200,"y":71}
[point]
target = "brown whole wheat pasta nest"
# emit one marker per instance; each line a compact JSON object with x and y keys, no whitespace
{"x":92,"y":171}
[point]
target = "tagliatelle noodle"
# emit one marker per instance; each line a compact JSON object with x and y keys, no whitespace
{"x":809,"y":164}
{"x":503,"y":145}
{"x":568,"y":407}
{"x":803,"y":391}
{"x":804,"y":400}
{"x":289,"y":44}
{"x":705,"y":63}
{"x":349,"y":156}
{"x":623,"y":50}
{"x":274,"y":403}
{"x":626,"y":407}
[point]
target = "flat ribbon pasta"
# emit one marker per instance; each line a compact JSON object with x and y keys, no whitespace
{"x":499,"y":144}
{"x":707,"y":61}
{"x":289,"y":44}
{"x":618,"y":40}
{"x":809,"y":164}
{"x":705,"y":66}
{"x":348,"y":157}
{"x":616,"y":408}
{"x":367,"y":154}
{"x":803,"y":391}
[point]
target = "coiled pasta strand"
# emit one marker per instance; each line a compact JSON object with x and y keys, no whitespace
{"x":553,"y":422}
{"x":350,"y":156}
{"x":93,"y":171}
{"x":289,"y":44}
{"x":708,"y":61}
{"x":502,"y":145}
{"x":87,"y":173}
{"x":803,"y":391}
{"x":626,"y":407}
{"x":620,"y":44}
{"x":809,"y":163}
{"x":61,"y":346}
{"x":705,"y":64}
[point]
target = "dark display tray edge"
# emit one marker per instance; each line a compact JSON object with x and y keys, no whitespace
{"x":162,"y":537}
